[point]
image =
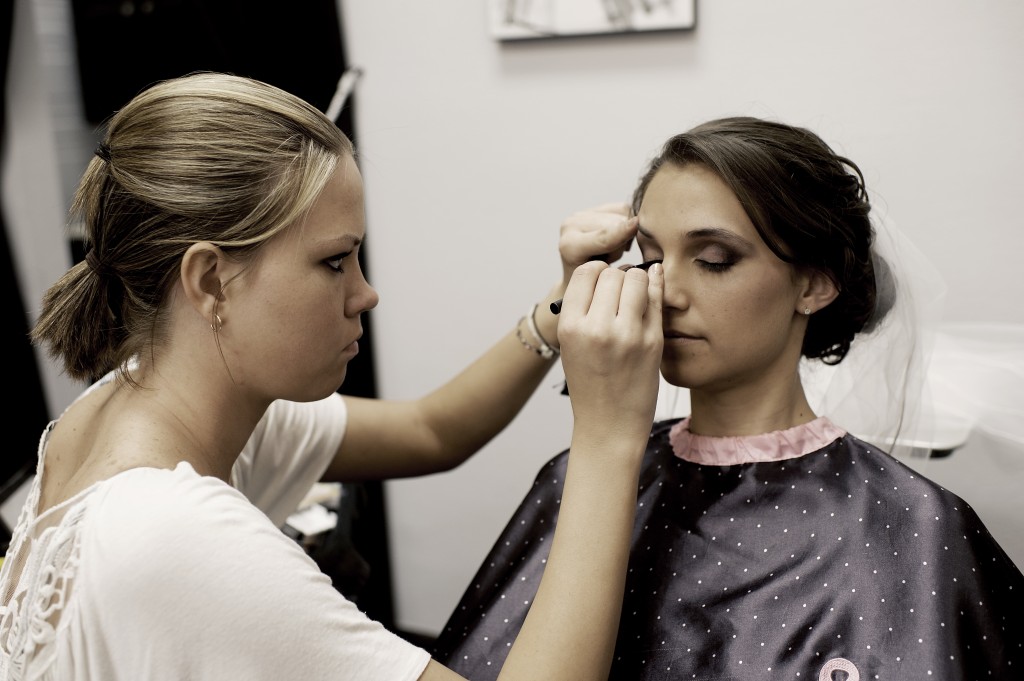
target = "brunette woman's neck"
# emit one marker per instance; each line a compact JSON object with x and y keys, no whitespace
{"x":748,"y":411}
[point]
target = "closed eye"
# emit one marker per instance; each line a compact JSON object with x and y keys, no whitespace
{"x":716,"y":258}
{"x":715,"y":266}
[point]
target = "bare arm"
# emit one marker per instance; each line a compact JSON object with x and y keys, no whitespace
{"x":390,"y":439}
{"x":437,"y":432}
{"x":612,"y":339}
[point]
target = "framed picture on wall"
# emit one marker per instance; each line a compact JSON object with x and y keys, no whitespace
{"x":527,"y":19}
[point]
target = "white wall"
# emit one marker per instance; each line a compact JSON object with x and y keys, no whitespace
{"x":474,"y":150}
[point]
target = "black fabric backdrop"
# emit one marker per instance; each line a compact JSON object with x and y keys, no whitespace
{"x":125,"y":45}
{"x":26,"y":414}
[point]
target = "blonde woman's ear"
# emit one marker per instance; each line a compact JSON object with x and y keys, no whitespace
{"x":202,"y":276}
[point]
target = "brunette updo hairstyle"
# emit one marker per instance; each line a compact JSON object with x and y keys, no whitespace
{"x":810,"y":207}
{"x":206,"y":157}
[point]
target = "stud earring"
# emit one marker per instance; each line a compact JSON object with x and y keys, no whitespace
{"x":807,"y":310}
{"x":216,"y":324}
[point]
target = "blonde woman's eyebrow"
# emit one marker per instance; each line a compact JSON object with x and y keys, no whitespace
{"x":346,"y":241}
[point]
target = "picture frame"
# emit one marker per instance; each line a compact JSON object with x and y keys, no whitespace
{"x":513,"y":20}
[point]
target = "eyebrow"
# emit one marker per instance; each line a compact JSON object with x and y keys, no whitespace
{"x":344,"y":241}
{"x":717,"y":233}
{"x":703,"y":233}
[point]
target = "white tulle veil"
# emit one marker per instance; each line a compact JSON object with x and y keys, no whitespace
{"x":879,"y":391}
{"x":919,"y":385}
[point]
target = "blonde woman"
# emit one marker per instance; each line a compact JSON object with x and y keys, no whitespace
{"x":218,"y":306}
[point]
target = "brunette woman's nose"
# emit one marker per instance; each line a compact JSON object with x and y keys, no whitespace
{"x":677,"y":289}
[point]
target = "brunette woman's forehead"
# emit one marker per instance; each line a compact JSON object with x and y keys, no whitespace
{"x":701,"y":233}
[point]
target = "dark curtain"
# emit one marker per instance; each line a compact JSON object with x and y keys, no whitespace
{"x":26,"y":415}
{"x":123,"y":46}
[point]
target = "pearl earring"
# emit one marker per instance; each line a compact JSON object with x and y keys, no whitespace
{"x":807,"y":310}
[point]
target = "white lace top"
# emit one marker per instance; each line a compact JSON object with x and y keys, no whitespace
{"x":36,"y":579}
{"x":166,"y":574}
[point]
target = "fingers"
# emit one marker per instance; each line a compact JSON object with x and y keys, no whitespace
{"x":656,"y":292}
{"x":608,"y":295}
{"x":620,"y":207}
{"x":605,"y":230}
{"x":580,"y":292}
{"x":611,"y":339}
{"x":625,"y":289}
{"x":641,"y":299}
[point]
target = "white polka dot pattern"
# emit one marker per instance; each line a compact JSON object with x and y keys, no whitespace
{"x":773,"y":570}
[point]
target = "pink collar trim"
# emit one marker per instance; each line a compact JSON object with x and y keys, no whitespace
{"x":775,"y":446}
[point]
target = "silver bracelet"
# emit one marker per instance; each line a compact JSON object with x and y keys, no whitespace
{"x":526,"y":343}
{"x":545,"y":350}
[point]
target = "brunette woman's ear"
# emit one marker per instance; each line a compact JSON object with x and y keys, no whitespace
{"x":817,"y":292}
{"x":203,"y":272}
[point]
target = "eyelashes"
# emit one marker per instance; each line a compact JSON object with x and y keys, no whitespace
{"x":716,"y":258}
{"x":716,"y":267}
{"x":335,"y":261}
{"x":642,"y":266}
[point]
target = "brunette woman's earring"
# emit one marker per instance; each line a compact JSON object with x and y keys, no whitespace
{"x":216,"y":324}
{"x":807,"y":310}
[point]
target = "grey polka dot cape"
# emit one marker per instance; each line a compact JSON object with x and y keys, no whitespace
{"x":840,"y":565}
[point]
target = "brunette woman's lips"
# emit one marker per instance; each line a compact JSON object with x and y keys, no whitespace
{"x":680,"y":337}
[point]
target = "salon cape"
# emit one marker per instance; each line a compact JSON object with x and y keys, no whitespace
{"x":804,"y":554}
{"x":166,"y":574}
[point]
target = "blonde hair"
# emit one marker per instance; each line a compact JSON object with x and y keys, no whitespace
{"x":206,"y":157}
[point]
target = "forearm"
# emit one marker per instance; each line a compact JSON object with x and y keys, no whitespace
{"x":437,"y":432}
{"x":613,"y":337}
{"x":480,"y":401}
{"x":400,"y":438}
{"x":570,"y":630}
